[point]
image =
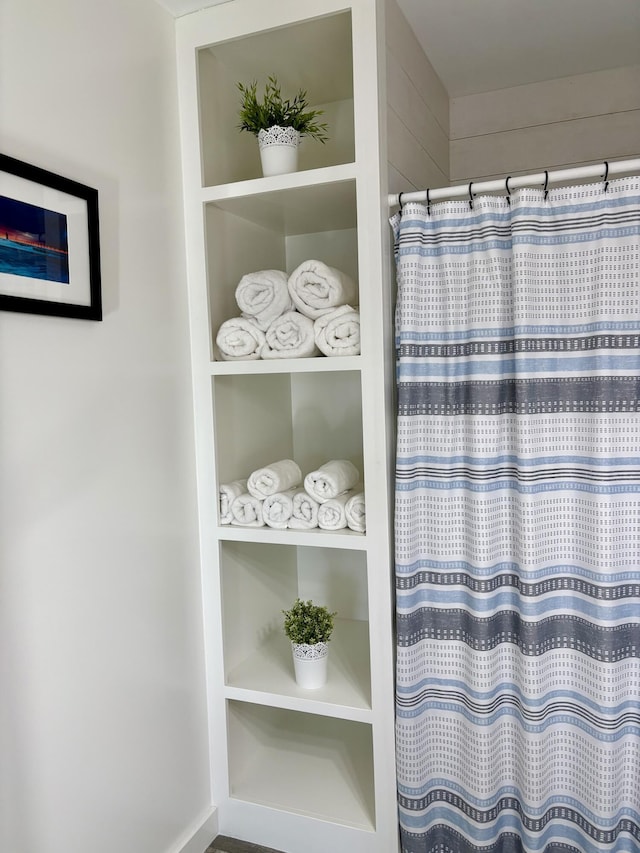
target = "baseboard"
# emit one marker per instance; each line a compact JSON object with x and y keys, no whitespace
{"x":201,"y":834}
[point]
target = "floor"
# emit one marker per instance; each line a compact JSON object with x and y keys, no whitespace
{"x":224,"y":844}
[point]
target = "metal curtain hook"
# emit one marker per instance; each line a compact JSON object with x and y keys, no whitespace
{"x":606,"y":175}
{"x":506,"y":184}
{"x":428,"y":203}
{"x":470,"y":196}
{"x":546,"y":184}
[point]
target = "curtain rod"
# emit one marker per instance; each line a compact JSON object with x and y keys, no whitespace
{"x":602,"y":170}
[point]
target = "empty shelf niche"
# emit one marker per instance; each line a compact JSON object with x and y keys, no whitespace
{"x":277,"y":231}
{"x":259,"y":582}
{"x":313,"y":765}
{"x":313,"y":55}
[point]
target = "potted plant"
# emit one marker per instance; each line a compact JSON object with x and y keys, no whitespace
{"x":278,"y":123}
{"x":309,"y":627}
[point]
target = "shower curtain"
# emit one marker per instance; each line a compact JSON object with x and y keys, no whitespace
{"x":518,"y":522}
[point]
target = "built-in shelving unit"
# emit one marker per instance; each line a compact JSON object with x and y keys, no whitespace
{"x":291,"y":768}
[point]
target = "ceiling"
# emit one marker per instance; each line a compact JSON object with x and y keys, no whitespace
{"x":481,"y":45}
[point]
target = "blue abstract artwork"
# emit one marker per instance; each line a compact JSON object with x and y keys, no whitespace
{"x":33,"y":241}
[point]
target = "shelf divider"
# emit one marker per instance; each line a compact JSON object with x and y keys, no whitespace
{"x":278,"y":183}
{"x":269,"y":671}
{"x":315,"y":538}
{"x":286,"y":365}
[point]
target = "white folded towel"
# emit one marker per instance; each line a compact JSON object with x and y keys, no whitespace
{"x":262,"y":296}
{"x":331,"y":479}
{"x":338,"y":333}
{"x":331,"y":514}
{"x":228,"y":493}
{"x":239,"y":339}
{"x":247,"y":511}
{"x":356,"y":512}
{"x":304,"y":513}
{"x":276,"y":477}
{"x":277,"y":509}
{"x":290,"y":336}
{"x":316,"y":289}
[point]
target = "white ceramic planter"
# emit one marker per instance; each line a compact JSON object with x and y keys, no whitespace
{"x":278,"y":150}
{"x":310,"y":664}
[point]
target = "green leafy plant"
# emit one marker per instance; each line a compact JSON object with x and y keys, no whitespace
{"x":309,"y":623}
{"x":258,"y":114}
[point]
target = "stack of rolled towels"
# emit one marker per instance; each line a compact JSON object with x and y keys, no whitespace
{"x":279,"y":496}
{"x":303,"y":315}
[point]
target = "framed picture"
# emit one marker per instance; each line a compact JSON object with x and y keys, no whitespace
{"x":49,"y":243}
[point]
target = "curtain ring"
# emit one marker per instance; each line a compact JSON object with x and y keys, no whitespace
{"x":606,"y":175}
{"x":428,"y":203}
{"x":400,"y":201}
{"x":470,"y":196}
{"x":506,"y":186}
{"x":546,"y":184}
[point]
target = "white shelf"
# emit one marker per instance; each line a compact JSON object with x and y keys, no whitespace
{"x":286,"y":365}
{"x":315,"y":538}
{"x":289,"y":204}
{"x":308,"y":417}
{"x":298,"y":56}
{"x":316,"y":766}
{"x":269,"y":671}
{"x":300,"y":180}
{"x":278,"y":228}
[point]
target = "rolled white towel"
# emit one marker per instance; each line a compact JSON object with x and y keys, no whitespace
{"x":316,"y":289}
{"x":228,"y":493}
{"x":355,"y":511}
{"x":338,"y":333}
{"x":332,"y":515}
{"x":304,"y":513}
{"x":247,"y":511}
{"x":290,"y":336}
{"x":239,"y":339}
{"x":275,"y":477}
{"x":277,"y":509}
{"x":262,"y":296}
{"x":331,"y":479}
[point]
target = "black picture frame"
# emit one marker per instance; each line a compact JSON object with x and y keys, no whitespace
{"x":49,"y":243}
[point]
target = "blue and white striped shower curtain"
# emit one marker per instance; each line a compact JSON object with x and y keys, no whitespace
{"x":518,"y":523}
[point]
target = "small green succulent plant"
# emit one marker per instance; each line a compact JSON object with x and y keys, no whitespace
{"x":309,"y":623}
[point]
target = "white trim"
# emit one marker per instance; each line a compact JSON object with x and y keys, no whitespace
{"x":177,"y":8}
{"x":200,"y":835}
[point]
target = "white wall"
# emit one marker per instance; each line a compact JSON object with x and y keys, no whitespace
{"x":555,"y":124}
{"x":561,"y":123}
{"x":417,"y":111}
{"x":102,"y":696}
